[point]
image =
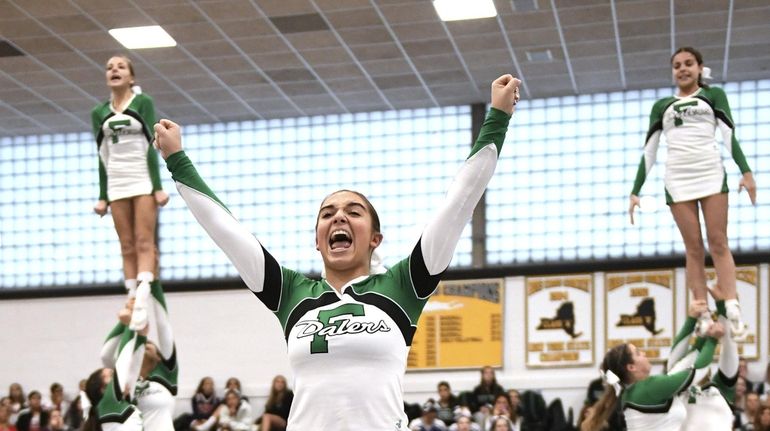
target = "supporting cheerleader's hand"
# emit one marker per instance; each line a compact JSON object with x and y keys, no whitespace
{"x":505,"y":93}
{"x":168,"y":138}
{"x":161,"y":198}
{"x":101,"y":208}
{"x":747,"y":182}
{"x":716,"y":330}
{"x":632,"y":205}
{"x":697,"y":307}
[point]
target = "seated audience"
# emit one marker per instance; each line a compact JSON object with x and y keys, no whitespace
{"x":277,"y":406}
{"x":234,"y":414}
{"x":32,"y":418}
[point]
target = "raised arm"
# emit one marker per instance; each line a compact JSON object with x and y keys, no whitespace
{"x":440,"y":236}
{"x":240,"y":246}
{"x":681,"y":346}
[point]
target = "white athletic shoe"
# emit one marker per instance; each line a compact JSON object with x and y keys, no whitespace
{"x":738,"y":328}
{"x":704,"y":323}
{"x":139,"y":315}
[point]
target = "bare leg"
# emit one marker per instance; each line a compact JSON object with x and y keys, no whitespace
{"x":686,"y":217}
{"x":145,"y":218}
{"x":123,"y":218}
{"x":715,"y":215}
{"x":271,"y":421}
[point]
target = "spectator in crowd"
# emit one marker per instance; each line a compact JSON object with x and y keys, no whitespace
{"x":515,"y":399}
{"x":32,"y":418}
{"x":762,"y":419}
{"x":502,"y":409}
{"x":488,"y":388}
{"x":763,"y":388}
{"x":56,"y":422}
{"x":277,"y":406}
{"x":5,"y":417}
{"x":233,"y":383}
{"x":501,"y":423}
{"x":18,"y":401}
{"x":204,"y":404}
{"x":744,"y":417}
{"x":75,"y":414}
{"x":56,"y":399}
{"x":743,"y":371}
{"x":464,"y":423}
{"x":235,"y":413}
{"x":429,"y":420}
{"x":447,"y":403}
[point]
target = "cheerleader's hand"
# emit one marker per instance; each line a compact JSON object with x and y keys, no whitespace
{"x":101,"y":207}
{"x":632,"y":205}
{"x":697,"y":307}
{"x":168,"y":138}
{"x":505,"y":93}
{"x":161,"y":198}
{"x":747,"y":182}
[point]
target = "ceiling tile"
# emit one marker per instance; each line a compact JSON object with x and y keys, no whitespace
{"x":447,"y":61}
{"x":428,"y":47}
{"x":303,"y":88}
{"x":392,"y":66}
{"x":349,"y":85}
{"x":396,"y":81}
{"x":363,"y":36}
{"x":354,"y":18}
{"x":283,"y":7}
{"x":326,"y":56}
{"x":257,"y":91}
{"x":192,"y":33}
{"x":313,"y":40}
{"x":261,"y":45}
{"x":580,"y":15}
{"x":164,"y":13}
{"x":421,"y":31}
{"x":227,"y":10}
{"x":12,"y":29}
{"x":303,"y":23}
{"x":277,"y":60}
{"x":337,"y":71}
{"x":642,"y":10}
{"x":409,"y":13}
{"x":481,"y":42}
{"x":69,"y":24}
{"x":380,"y":51}
{"x":290,"y":75}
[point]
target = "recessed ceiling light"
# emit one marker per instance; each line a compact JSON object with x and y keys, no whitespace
{"x":151,"y":36}
{"x":455,"y":10}
{"x":543,"y":55}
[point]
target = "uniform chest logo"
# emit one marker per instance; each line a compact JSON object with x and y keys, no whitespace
{"x":336,"y":322}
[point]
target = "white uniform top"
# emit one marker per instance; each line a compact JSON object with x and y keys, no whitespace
{"x":124,"y":154}
{"x":668,"y":421}
{"x":133,"y":423}
{"x":708,"y":412}
{"x":694,"y":165}
{"x":156,"y":404}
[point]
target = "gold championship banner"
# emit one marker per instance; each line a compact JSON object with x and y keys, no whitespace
{"x":639,"y":309}
{"x":560,"y":321}
{"x":461,"y":326}
{"x":747,"y":287}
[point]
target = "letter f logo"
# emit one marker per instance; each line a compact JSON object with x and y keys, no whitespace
{"x":319,"y":343}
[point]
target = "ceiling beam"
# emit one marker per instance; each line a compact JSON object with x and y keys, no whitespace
{"x":564,"y":47}
{"x":617,"y":45}
{"x":403,"y":52}
{"x":728,"y":34}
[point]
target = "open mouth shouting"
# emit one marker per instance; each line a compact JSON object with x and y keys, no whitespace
{"x":340,"y":240}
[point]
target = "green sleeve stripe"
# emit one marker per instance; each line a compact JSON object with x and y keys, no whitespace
{"x":154,"y":167}
{"x":641,"y":176}
{"x":157,"y":292}
{"x":116,"y":331}
{"x":102,"y":181}
{"x":684,"y":333}
{"x":706,"y":353}
{"x":721,"y":309}
{"x":492,"y":131}
{"x":183,"y":171}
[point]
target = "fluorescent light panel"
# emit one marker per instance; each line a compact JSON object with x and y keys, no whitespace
{"x":455,"y":10}
{"x":151,"y":36}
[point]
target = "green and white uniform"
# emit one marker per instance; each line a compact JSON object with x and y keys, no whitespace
{"x":154,"y":395}
{"x":694,"y":167}
{"x":348,"y":349}
{"x":654,"y":403}
{"x":708,"y":406}
{"x":123,"y":351}
{"x":128,"y":164}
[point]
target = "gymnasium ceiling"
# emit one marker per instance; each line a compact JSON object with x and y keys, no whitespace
{"x":247,"y":59}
